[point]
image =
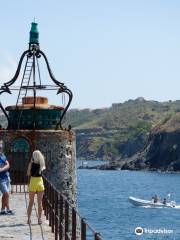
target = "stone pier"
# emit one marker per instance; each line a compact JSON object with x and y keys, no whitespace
{"x":15,"y":226}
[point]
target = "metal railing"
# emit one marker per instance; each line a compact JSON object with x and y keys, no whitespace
{"x":64,"y":219}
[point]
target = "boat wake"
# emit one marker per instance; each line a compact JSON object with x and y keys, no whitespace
{"x":176,"y":207}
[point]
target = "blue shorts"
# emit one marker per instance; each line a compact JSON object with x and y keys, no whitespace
{"x":5,"y":185}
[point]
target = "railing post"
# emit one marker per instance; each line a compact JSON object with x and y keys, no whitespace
{"x":83,"y":229}
{"x":61,"y":212}
{"x":56,"y":216}
{"x":97,"y":236}
{"x":66,"y":220}
{"x":52,"y":209}
{"x":50,"y":204}
{"x":47,"y":200}
{"x":44,"y":198}
{"x":74,"y":223}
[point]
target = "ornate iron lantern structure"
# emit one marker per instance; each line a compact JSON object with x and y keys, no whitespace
{"x":29,"y":83}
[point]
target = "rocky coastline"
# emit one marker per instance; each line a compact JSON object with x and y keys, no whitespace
{"x":162,"y":152}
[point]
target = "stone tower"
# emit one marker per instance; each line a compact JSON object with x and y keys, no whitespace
{"x":33,"y":123}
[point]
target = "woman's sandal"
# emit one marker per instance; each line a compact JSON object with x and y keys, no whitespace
{"x":39,"y":221}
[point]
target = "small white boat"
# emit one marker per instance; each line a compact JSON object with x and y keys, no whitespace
{"x":148,"y":203}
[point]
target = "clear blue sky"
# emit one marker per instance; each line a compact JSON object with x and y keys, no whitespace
{"x":106,"y":51}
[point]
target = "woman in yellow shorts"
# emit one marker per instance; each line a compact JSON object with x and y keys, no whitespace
{"x":36,"y":185}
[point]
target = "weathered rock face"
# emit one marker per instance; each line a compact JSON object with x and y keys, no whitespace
{"x":132,"y":146}
{"x":109,"y":150}
{"x":163,"y":149}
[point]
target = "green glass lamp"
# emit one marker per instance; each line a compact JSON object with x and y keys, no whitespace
{"x":34,"y":34}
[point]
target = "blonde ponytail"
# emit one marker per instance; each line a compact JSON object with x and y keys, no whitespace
{"x":39,"y":159}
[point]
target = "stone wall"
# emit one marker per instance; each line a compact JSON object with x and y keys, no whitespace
{"x":59,"y":150}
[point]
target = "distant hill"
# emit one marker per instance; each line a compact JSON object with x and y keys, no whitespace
{"x":119,"y":131}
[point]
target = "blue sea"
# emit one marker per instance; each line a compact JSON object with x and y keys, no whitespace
{"x":103,"y":201}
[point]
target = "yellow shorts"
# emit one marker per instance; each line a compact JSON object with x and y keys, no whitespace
{"x":36,"y":184}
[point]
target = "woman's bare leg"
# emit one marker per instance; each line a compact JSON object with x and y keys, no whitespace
{"x":31,"y":201}
{"x":39,"y":200}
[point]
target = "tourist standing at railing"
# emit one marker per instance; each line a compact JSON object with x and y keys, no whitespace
{"x":36,"y":185}
{"x":4,"y":182}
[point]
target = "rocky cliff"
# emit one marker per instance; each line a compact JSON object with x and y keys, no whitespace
{"x":162,"y":151}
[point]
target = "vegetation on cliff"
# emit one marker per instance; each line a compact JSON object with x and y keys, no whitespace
{"x":119,"y":131}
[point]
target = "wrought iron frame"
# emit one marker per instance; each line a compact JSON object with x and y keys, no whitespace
{"x":35,"y":51}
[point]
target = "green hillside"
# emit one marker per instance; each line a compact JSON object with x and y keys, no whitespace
{"x":118,"y":131}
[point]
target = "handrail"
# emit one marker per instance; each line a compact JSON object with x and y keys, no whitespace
{"x":64,"y":218}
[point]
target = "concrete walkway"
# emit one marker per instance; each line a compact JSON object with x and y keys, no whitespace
{"x":15,"y":227}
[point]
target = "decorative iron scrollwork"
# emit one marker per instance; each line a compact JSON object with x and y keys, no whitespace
{"x":34,"y":53}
